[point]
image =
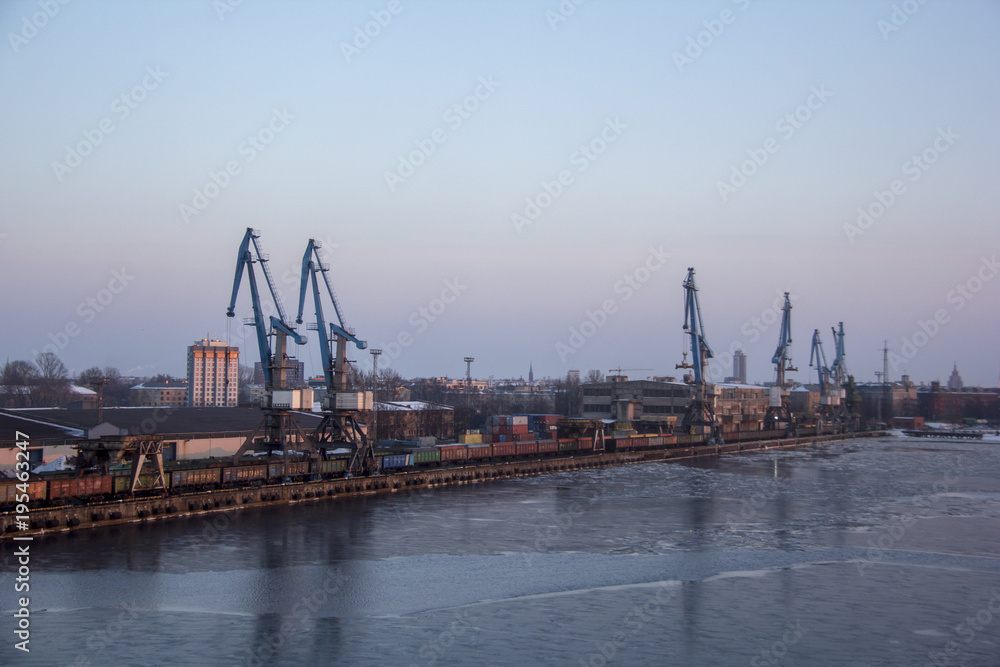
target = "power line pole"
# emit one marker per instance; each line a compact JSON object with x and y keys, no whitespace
{"x":375,"y":354}
{"x":885,"y":376}
{"x":468,"y":385}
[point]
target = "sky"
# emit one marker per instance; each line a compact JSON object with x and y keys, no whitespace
{"x":526,"y":183}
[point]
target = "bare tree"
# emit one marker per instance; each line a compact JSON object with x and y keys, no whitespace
{"x":246,"y":374}
{"x":594,"y":376}
{"x":53,"y":384}
{"x":17,"y":382}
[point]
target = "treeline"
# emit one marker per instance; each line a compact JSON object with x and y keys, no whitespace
{"x":46,"y":383}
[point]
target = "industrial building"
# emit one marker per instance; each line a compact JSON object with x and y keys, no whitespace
{"x":665,"y":403}
{"x":186,"y":433}
{"x":408,"y":420}
{"x":158,"y":394}
{"x":213,"y":369}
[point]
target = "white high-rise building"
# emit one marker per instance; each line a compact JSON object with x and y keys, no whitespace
{"x":213,"y":371}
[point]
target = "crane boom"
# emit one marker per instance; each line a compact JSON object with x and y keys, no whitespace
{"x":311,"y":265}
{"x":785,"y":336}
{"x":693,"y":324}
{"x":818,"y":359}
{"x":245,"y":260}
{"x":839,"y":368}
{"x":278,"y":425}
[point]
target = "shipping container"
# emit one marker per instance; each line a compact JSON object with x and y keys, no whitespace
{"x":477,"y":452}
{"x":36,"y":489}
{"x":279,"y":470}
{"x":548,"y":446}
{"x":526,"y":448}
{"x":330,"y":466}
{"x":248,"y":473}
{"x":196,"y":477}
{"x":123,"y":484}
{"x":453,"y":452}
{"x":504,"y":450}
{"x":426,"y":456}
{"x":80,"y":487}
{"x":397,"y":461}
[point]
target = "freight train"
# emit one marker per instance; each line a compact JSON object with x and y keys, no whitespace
{"x":61,"y":488}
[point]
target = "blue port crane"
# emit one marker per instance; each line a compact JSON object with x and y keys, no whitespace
{"x":817,"y":359}
{"x":279,"y":428}
{"x":701,"y":413}
{"x":777,"y":410}
{"x":340,"y":425}
{"x":831,"y":407}
{"x":839,"y":368}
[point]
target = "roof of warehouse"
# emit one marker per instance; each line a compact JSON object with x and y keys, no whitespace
{"x":412,"y":406}
{"x":164,"y":421}
{"x":35,"y":428}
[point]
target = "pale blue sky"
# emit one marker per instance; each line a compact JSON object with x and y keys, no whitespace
{"x":323,"y":176}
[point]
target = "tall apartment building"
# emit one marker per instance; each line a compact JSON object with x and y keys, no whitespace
{"x":158,"y":394}
{"x":213,"y":370}
{"x":739,"y":367}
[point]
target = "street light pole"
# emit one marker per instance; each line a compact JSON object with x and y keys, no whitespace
{"x":468,"y":390}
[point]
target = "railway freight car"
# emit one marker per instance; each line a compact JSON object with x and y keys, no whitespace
{"x":36,"y":490}
{"x":72,"y":487}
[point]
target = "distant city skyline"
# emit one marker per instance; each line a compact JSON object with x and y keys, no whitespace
{"x":507,"y":180}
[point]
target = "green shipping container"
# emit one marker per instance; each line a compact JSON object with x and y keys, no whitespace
{"x":426,"y":455}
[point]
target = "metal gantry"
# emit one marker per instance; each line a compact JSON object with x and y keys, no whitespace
{"x":701,"y":413}
{"x":341,"y":425}
{"x":280,"y":430}
{"x":831,"y":395}
{"x":777,"y":409}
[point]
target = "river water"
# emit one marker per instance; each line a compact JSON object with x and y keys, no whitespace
{"x":862,"y":552}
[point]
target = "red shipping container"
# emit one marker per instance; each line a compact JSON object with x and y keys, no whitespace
{"x":527,"y":448}
{"x":547,"y":446}
{"x":454,"y":453}
{"x":484,"y":452}
{"x":504,"y":449}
